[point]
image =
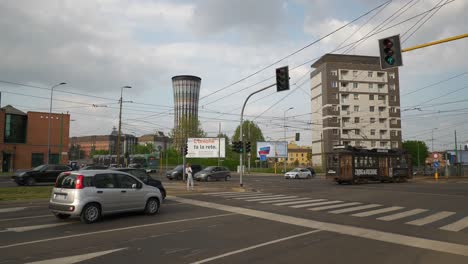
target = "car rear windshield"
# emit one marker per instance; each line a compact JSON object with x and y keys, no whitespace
{"x":68,"y":181}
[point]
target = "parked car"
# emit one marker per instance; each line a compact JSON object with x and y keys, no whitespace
{"x":312,"y":171}
{"x":176,"y":173}
{"x":40,"y":174}
{"x":94,"y":167}
{"x":90,"y":194}
{"x":144,"y":177}
{"x":213,"y":173}
{"x":298,"y":173}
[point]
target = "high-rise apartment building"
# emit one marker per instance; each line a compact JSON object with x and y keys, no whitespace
{"x":354,"y":103}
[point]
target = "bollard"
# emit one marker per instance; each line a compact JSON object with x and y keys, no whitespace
{"x":436,"y":176}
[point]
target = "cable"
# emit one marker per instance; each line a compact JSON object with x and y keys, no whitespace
{"x":406,"y":32}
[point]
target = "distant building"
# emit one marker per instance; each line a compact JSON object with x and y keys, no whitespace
{"x":24,"y":137}
{"x":297,"y":155}
{"x":108,"y":143}
{"x":159,"y":140}
{"x":354,"y":103}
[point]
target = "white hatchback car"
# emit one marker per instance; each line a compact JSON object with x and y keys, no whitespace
{"x":298,"y":173}
{"x":90,"y":194}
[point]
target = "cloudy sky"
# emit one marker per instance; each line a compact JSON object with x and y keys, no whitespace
{"x":99,"y":46}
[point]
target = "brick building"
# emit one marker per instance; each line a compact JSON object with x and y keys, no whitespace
{"x":23,"y":138}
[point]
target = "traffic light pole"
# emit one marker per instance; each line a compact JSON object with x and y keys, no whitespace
{"x":241,"y":132}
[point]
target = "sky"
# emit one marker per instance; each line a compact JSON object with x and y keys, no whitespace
{"x":98,"y":46}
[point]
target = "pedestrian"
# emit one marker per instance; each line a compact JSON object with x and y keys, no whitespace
{"x":188,"y":171}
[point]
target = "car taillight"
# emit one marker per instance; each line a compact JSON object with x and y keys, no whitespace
{"x":79,"y":182}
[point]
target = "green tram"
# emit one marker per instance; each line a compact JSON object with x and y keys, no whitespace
{"x":353,"y":165}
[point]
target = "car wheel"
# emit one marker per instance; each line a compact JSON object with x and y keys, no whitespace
{"x":227,"y":178}
{"x":152,"y":206}
{"x":30,"y":181}
{"x":297,"y":176}
{"x":62,"y":216}
{"x":208,"y":178}
{"x":91,"y":213}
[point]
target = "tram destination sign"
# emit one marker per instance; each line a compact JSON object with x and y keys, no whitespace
{"x":369,"y":172}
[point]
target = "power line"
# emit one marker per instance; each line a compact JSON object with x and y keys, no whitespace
{"x":406,"y":32}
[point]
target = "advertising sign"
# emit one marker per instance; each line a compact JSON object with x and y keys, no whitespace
{"x":206,"y":147}
{"x":272,"y":149}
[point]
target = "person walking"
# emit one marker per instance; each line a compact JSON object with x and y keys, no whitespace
{"x":188,"y":171}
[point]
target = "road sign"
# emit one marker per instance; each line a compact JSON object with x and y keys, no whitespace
{"x":435,"y":155}
{"x":436,"y":164}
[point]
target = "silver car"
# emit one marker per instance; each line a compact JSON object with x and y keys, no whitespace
{"x":90,"y":194}
{"x":298,"y":173}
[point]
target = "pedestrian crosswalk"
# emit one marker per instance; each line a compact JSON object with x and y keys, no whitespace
{"x":417,"y":216}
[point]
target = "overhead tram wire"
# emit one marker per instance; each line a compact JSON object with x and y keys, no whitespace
{"x":434,"y":84}
{"x":422,"y":18}
{"x":297,"y":51}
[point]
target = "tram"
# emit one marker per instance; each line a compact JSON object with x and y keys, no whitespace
{"x":353,"y":165}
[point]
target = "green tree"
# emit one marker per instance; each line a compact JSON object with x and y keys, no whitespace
{"x":412,"y":147}
{"x":144,"y":149}
{"x":187,"y":128}
{"x":99,"y":152}
{"x":252,"y":133}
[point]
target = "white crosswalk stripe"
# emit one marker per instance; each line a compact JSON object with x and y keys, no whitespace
{"x":257,"y":196}
{"x":402,"y":215}
{"x":214,"y":193}
{"x":431,"y":218}
{"x":315,"y":204}
{"x":239,"y":194}
{"x":378,"y":211}
{"x":268,"y":199}
{"x":245,"y":195}
{"x":286,"y":200}
{"x":354,"y":209}
{"x":457,"y":226}
{"x":300,"y":202}
{"x":321,"y":208}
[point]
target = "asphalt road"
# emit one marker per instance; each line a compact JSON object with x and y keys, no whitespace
{"x":274,"y":221}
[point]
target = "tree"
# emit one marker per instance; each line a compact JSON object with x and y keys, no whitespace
{"x":188,"y":127}
{"x":99,"y":152}
{"x":144,"y":149}
{"x":411,"y":146}
{"x":252,"y":133}
{"x":75,"y":152}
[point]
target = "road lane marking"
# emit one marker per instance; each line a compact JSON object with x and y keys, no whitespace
{"x":253,"y":197}
{"x":270,"y":199}
{"x":300,"y":202}
{"x":113,"y":230}
{"x":245,"y":195}
{"x":314,"y":204}
{"x":378,"y":211}
{"x":402,"y":215}
{"x":410,"y":241}
{"x":287,"y":200}
{"x":431,"y":218}
{"x":20,"y":229}
{"x":254,"y":247}
{"x":77,"y":258}
{"x":12,"y":209}
{"x":353,"y":209}
{"x":213,"y":193}
{"x":321,"y":208}
{"x":240,"y":194}
{"x":26,"y":217}
{"x":457,"y":226}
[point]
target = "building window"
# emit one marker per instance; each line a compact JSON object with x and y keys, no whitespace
{"x":354,"y":73}
{"x":356,"y":120}
{"x":335,"y":131}
{"x":393,"y":98}
{"x":37,"y":159}
{"x":356,"y":108}
{"x":372,"y":120}
{"x":334,"y":73}
{"x":382,"y":120}
{"x":15,"y":128}
{"x":334,"y":84}
{"x":381,"y":97}
{"x":380,"y":86}
{"x":345,"y":132}
{"x":371,"y":97}
{"x":355,"y":85}
{"x":394,"y":144}
{"x":344,"y":84}
{"x":344,"y":72}
{"x":345,"y":143}
{"x":391,"y":87}
{"x":393,"y":133}
{"x":371,"y":108}
{"x":372,"y":144}
{"x":391,"y":75}
{"x":372,"y":132}
{"x":381,"y":108}
{"x":357,"y":131}
{"x":393,"y":121}
{"x":345,"y":107}
{"x":383,"y":132}
{"x":344,"y":96}
{"x":356,"y":96}
{"x":393,"y":110}
{"x":369,"y":74}
{"x":371,"y":85}
{"x":383,"y":144}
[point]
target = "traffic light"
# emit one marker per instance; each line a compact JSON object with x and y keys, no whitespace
{"x":298,"y":136}
{"x":241,"y":147}
{"x":235,"y":147}
{"x":247,"y":147}
{"x":390,"y":52}
{"x":185,"y":150}
{"x":282,"y":79}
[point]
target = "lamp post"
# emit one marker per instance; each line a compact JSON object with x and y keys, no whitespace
{"x":120,"y":124}
{"x":50,"y":117}
{"x":290,"y":108}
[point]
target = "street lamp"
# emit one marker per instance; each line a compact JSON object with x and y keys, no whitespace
{"x":50,"y":117}
{"x":290,"y":108}
{"x":120,"y":124}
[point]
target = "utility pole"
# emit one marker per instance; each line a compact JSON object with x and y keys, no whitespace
{"x":61,"y":136}
{"x":50,"y":117}
{"x":456,"y":154}
{"x":219,"y":144}
{"x":120,"y":125}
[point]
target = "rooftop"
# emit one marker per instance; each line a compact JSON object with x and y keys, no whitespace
{"x":359,"y":59}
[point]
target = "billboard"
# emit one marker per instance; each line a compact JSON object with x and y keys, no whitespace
{"x":272,"y":149}
{"x":206,"y":147}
